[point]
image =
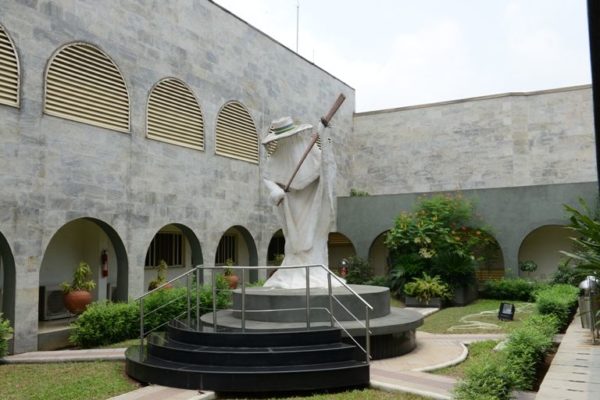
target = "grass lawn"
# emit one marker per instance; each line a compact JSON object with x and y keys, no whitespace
{"x":394,"y":302}
{"x":365,"y":394}
{"x":477,"y":351}
{"x":481,"y":316}
{"x":124,"y":343}
{"x":64,"y":381}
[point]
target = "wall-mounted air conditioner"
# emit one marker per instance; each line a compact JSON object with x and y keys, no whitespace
{"x":51,"y":303}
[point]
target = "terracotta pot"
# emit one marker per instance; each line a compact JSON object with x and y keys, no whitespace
{"x":77,"y":301}
{"x":232,"y":280}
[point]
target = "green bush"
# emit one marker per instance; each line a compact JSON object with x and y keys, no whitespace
{"x":511,"y":289}
{"x":514,"y":367}
{"x":526,"y":348}
{"x":359,"y":271}
{"x":426,"y":288}
{"x":379,"y":281}
{"x":558,"y":300}
{"x":487,"y":380}
{"x":569,"y":274}
{"x":438,"y":238}
{"x":104,"y":323}
{"x":5,"y":332}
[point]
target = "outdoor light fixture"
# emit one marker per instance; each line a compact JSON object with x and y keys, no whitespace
{"x":343,"y":267}
{"x":506,"y":311}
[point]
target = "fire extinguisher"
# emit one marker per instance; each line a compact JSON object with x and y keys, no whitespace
{"x":104,"y":262}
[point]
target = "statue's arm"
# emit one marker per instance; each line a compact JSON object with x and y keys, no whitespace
{"x":276,"y":193}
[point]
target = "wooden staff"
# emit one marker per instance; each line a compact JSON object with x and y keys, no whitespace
{"x":324,"y":123}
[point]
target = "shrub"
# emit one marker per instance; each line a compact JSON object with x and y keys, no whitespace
{"x":511,"y":289}
{"x":104,"y":323}
{"x":486,"y":380}
{"x":437,"y":238}
{"x":5,"y":332}
{"x":426,"y":288}
{"x":379,"y":281}
{"x":359,"y":271}
{"x":586,"y":252}
{"x":558,"y":300}
{"x":516,"y":365}
{"x":526,"y":348}
{"x":568,"y":274}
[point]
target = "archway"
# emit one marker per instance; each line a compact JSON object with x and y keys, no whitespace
{"x":178,"y":246}
{"x":490,"y":265}
{"x":276,"y":249}
{"x":379,"y":255}
{"x":83,"y":239}
{"x":7,"y":281}
{"x":543,"y":246}
{"x":339,"y":247}
{"x":237,"y":245}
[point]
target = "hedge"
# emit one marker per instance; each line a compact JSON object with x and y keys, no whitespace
{"x":5,"y":331}
{"x":517,"y":289}
{"x":558,"y":300}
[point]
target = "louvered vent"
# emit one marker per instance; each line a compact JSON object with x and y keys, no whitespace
{"x":9,"y":71}
{"x":236,"y":133}
{"x":83,"y":84}
{"x":271,"y":146}
{"x":174,"y":115}
{"x":338,"y":239}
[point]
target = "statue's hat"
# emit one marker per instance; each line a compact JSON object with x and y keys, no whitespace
{"x":284,"y":127}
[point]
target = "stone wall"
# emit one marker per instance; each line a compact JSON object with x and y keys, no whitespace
{"x":509,"y":140}
{"x":54,"y":170}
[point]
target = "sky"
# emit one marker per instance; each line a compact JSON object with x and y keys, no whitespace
{"x":399,"y":53}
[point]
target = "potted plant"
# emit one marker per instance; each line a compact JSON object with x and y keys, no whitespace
{"x":528,"y":266}
{"x":161,"y":276}
{"x":77,"y":294}
{"x":231,"y":278}
{"x":426,"y":291}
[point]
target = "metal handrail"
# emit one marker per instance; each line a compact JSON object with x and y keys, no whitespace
{"x":186,"y":275}
{"x":333,"y":320}
{"x":198,"y":269}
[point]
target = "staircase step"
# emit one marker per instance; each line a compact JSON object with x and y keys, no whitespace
{"x":168,"y":349}
{"x":245,"y":379}
{"x":255,"y":339}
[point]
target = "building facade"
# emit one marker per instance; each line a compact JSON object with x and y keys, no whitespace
{"x":130,"y":133}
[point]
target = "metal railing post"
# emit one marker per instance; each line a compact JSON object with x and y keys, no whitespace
{"x":367,"y":335}
{"x":141,"y":327}
{"x":214,"y":300}
{"x":307,"y":297}
{"x":330,"y":290}
{"x":189,"y":301}
{"x":244,"y":300}
{"x":197,"y":299}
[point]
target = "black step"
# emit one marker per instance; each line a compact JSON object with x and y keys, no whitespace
{"x":246,"y":379}
{"x":168,"y":349}
{"x":255,"y":339}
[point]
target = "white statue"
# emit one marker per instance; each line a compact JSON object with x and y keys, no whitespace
{"x":305,"y":211}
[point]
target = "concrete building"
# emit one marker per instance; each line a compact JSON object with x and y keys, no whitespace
{"x":134,"y":131}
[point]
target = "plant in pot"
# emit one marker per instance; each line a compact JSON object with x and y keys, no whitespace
{"x":77,"y":294}
{"x":426,"y":291}
{"x":161,"y":276}
{"x":231,"y":278}
{"x":528,"y":266}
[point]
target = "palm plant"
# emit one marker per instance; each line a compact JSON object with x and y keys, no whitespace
{"x":587,"y":243}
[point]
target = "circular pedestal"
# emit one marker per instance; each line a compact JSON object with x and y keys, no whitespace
{"x":392,"y":329}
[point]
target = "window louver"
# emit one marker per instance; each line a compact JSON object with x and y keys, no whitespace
{"x":84,"y":85}
{"x":174,"y":115}
{"x":9,"y":71}
{"x":236,"y":134}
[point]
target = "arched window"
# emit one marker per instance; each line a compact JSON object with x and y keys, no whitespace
{"x":84,"y":85}
{"x":236,"y":133}
{"x":9,"y":71}
{"x":174,"y":115}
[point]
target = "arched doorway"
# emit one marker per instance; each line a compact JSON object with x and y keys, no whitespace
{"x":7,"y":281}
{"x":178,"y":246}
{"x":84,"y":239}
{"x":379,"y":256}
{"x":276,"y":250}
{"x":339,"y":247}
{"x":543,"y":246}
{"x":237,"y":245}
{"x":490,"y":265}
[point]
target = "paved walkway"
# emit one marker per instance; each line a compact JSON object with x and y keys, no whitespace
{"x":574,"y":375}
